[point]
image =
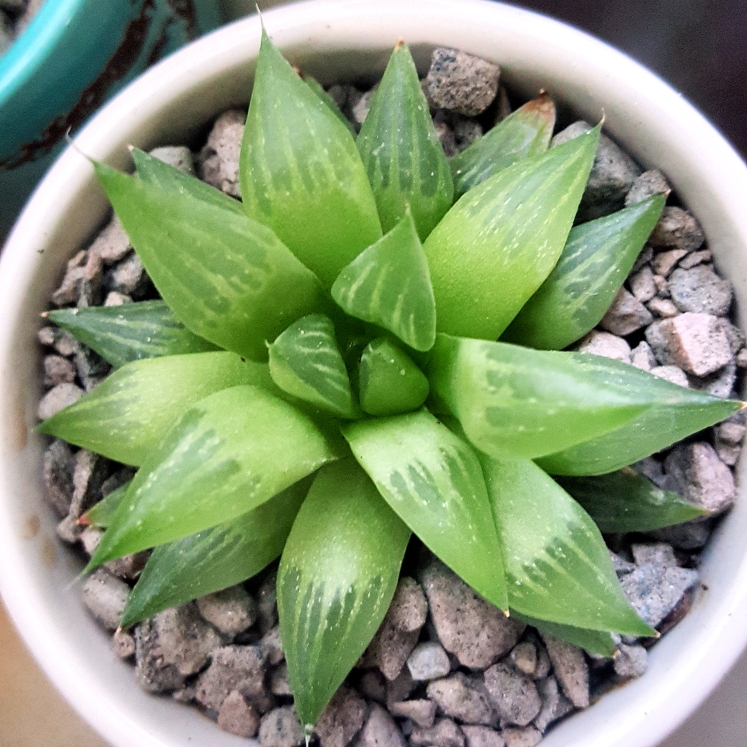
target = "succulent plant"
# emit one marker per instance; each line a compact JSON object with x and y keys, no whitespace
{"x":322,"y":377}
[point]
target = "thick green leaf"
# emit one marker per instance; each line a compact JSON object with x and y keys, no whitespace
{"x":328,"y":101}
{"x":677,"y":412}
{"x":594,"y":641}
{"x":131,"y":332}
{"x":389,"y":382}
{"x":516,"y":402}
{"x":159,"y":174}
{"x":500,"y":241}
{"x":215,"y":558}
{"x":128,"y":414}
{"x":389,"y":284}
{"x":337,"y":577}
{"x":522,"y":134}
{"x":625,"y":501}
{"x":557,"y":565}
{"x":229,"y":279}
{"x":100,"y":514}
{"x":401,"y":151}
{"x":306,"y":363}
{"x":594,"y":264}
{"x":228,"y":454}
{"x":301,"y":174}
{"x":433,"y":480}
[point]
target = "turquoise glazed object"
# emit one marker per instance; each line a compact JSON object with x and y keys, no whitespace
{"x":72,"y":57}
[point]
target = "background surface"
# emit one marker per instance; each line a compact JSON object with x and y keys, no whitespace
{"x":700,"y":47}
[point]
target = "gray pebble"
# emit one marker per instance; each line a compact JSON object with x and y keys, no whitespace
{"x":719,"y":384}
{"x":380,"y":730}
{"x":643,"y":258}
{"x":671,"y":374}
{"x":513,"y":694}
{"x":128,"y":567}
{"x":399,"y":689}
{"x":463,"y":698}
{"x":373,"y":685}
{"x":733,"y":334}
{"x":62,"y":396}
{"x":691,"y":535}
{"x":112,"y":244}
{"x":729,"y":455}
{"x":57,"y":370}
{"x":649,"y":183}
{"x":445,"y":733}
{"x":428,"y":661}
{"x":663,"y":308}
{"x":115,"y":298}
{"x":272,"y":646}
{"x":409,"y":608}
{"x":544,"y":665}
{"x":153,"y":673}
{"x":90,"y":538}
{"x":524,"y":657}
{"x":123,"y":643}
{"x":281,"y":728}
{"x":662,"y":286}
{"x":605,"y":344}
{"x":461,"y":82}
{"x":659,"y":553}
{"x":570,"y":669}
{"x":654,"y":590}
{"x":89,"y":473}
{"x":474,"y":630}
{"x":68,"y":530}
{"x":91,"y":368}
{"x":677,"y":228}
{"x":621,"y":565}
{"x":630,"y":661}
{"x":741,"y":359}
{"x":700,"y":290}
{"x":279,"y":684}
{"x":664,"y":262}
{"x":178,"y":156}
{"x":642,"y":284}
{"x":57,"y":469}
{"x":105,"y":596}
{"x":65,"y":344}
{"x":231,"y":611}
{"x":731,"y":433}
{"x":643,"y":357}
{"x":529,"y":737}
{"x":482,"y":736}
{"x":342,"y":719}
{"x":696,"y":258}
{"x":237,"y":717}
{"x":239,"y":668}
{"x":422,"y":712}
{"x":389,"y":650}
{"x":626,"y":314}
{"x":81,"y":284}
{"x":219,"y":159}
{"x":359,"y":110}
{"x":267,"y":608}
{"x":554,"y":704}
{"x":129,"y":277}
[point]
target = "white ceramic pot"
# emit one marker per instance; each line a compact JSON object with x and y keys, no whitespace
{"x":342,"y":39}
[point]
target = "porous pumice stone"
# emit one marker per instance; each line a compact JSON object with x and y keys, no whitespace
{"x":446,"y":668}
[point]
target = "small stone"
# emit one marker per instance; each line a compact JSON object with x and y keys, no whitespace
{"x":700,"y":290}
{"x":642,"y":284}
{"x":90,"y":538}
{"x":524,"y":657}
{"x":654,"y":590}
{"x":81,"y":284}
{"x":621,"y":565}
{"x":362,"y":106}
{"x":733,"y":334}
{"x":671,"y":374}
{"x":112,"y":244}
{"x":239,"y":668}
{"x":528,"y":737}
{"x":663,"y":308}
{"x":219,"y":159}
{"x":128,"y":567}
{"x":719,"y":384}
{"x":178,"y":156}
{"x":428,"y":661}
{"x":380,"y":730}
{"x":57,"y":370}
{"x":731,"y":433}
{"x":461,"y":82}
{"x":115,"y":298}
{"x":469,"y":627}
{"x":89,"y":473}
{"x":664,"y":262}
{"x":554,"y":704}
{"x":422,"y":712}
{"x":445,"y":134}
{"x":660,"y":553}
{"x":630,"y":661}
{"x":694,"y":342}
{"x":91,"y":368}
{"x":237,"y":717}
{"x":466,"y":131}
{"x":662,"y":286}
{"x":390,"y":649}
{"x":644,"y":258}
{"x":68,"y":530}
{"x":129,"y":277}
{"x":231,"y":611}
{"x":648,"y":184}
{"x":153,"y":673}
{"x":701,"y":477}
{"x":62,"y":396}
{"x":272,"y":646}
{"x":123,"y":644}
{"x":279,"y":684}
{"x":184,"y":694}
{"x":729,"y":455}
{"x":106,"y":597}
{"x":741,"y":359}
{"x":184,"y":638}
{"x":606,"y":345}
{"x":513,"y":694}
{"x":570,"y":669}
{"x":281,"y":728}
{"x":373,"y":685}
{"x":626,"y":314}
{"x":400,"y":688}
{"x":445,"y":733}
{"x":544,"y":665}
{"x":409,"y":607}
{"x":463,"y":698}
{"x":696,"y":258}
{"x":677,"y":228}
{"x":692,"y":535}
{"x":58,"y":464}
{"x":643,"y":357}
{"x":482,"y":736}
{"x":339,"y":94}
{"x":267,"y":607}
{"x":342,"y":719}
{"x":65,"y":344}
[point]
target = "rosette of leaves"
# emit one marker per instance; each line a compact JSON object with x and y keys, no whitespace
{"x":327,"y":374}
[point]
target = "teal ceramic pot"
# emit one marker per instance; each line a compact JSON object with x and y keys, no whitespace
{"x":72,"y":57}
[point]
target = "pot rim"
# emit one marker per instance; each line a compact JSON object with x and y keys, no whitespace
{"x":637,"y":713}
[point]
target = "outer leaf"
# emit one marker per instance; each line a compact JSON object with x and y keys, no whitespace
{"x":100,"y":514}
{"x":677,"y":413}
{"x":128,"y":414}
{"x":595,"y":262}
{"x":215,"y":558}
{"x":227,"y":455}
{"x":497,"y":245}
{"x":558,"y":567}
{"x":625,"y":501}
{"x":522,"y":134}
{"x":434,"y":482}
{"x":337,"y":577}
{"x":301,"y":174}
{"x":306,"y":362}
{"x":131,"y":332}
{"x":159,"y":174}
{"x":401,"y":151}
{"x":389,"y":284}
{"x":328,"y":101}
{"x":516,"y":402}
{"x":227,"y":278}
{"x":594,"y":641}
{"x":389,"y":382}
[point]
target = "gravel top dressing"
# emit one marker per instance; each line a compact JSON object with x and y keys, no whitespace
{"x":446,"y":668}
